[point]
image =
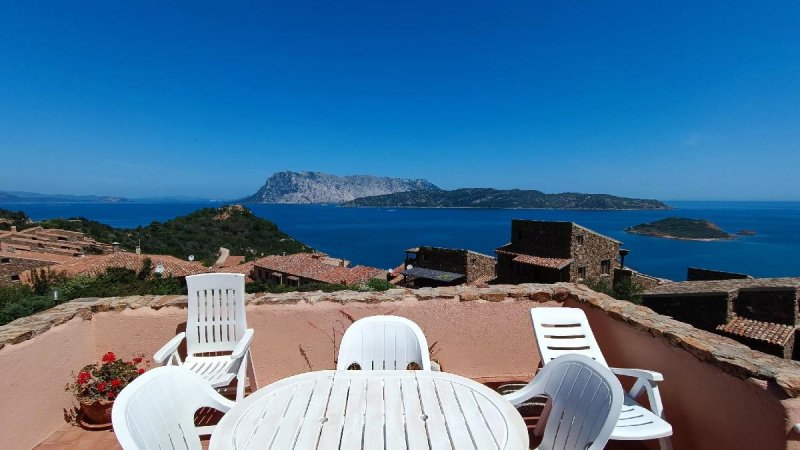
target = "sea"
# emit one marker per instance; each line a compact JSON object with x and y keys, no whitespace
{"x":379,"y":236}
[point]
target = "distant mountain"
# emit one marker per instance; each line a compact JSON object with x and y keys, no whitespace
{"x":496,"y":198}
{"x":33,"y":197}
{"x":317,"y":187}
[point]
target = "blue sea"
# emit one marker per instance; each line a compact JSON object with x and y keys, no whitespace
{"x":379,"y":236}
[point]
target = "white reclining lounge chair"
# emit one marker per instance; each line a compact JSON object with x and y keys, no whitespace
{"x":585,"y":398}
{"x":157,"y":409}
{"x":217,"y":337}
{"x":565,"y":331}
{"x":383,"y":343}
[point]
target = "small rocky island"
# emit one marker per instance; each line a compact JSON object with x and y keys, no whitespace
{"x":681,"y":228}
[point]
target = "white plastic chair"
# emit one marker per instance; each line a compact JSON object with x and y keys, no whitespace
{"x":216,"y":325}
{"x":565,"y":331}
{"x":157,"y":409}
{"x":585,"y":402}
{"x":383,"y":343}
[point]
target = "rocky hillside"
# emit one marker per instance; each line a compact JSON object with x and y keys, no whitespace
{"x":496,"y":198}
{"x":317,"y":187}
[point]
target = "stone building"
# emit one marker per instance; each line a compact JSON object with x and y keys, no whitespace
{"x":306,"y":268}
{"x":437,"y":266}
{"x":549,"y":252}
{"x":761,"y":313}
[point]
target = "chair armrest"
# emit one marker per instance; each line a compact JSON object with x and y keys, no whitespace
{"x":220,"y":403}
{"x":169,"y":348}
{"x":638,"y":373}
{"x":243,"y":345}
{"x":527,"y":392}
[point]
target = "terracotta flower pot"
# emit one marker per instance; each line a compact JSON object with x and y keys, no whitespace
{"x":97,"y":412}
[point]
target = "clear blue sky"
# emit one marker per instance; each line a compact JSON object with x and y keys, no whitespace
{"x":663,"y":99}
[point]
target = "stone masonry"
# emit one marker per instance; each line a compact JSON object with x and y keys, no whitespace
{"x":730,"y":356}
{"x":476,"y":267}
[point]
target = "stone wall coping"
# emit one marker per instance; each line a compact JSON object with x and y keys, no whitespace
{"x":728,"y":355}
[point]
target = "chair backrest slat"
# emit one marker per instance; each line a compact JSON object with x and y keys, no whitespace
{"x":561,"y":331}
{"x":383,"y":343}
{"x":216,"y":312}
{"x":586,"y":399}
{"x":157,"y":409}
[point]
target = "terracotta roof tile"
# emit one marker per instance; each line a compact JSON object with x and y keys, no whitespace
{"x":310,"y":266}
{"x":541,"y":261}
{"x":774,"y":333}
{"x":96,"y":265}
{"x":38,"y":256}
{"x":244,"y":268}
{"x":232,"y":261}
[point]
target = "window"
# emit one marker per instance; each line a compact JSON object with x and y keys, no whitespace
{"x":14,"y":277}
{"x":582,"y":272}
{"x":605,"y":266}
{"x":62,"y":238}
{"x":579,"y":239}
{"x":5,"y":260}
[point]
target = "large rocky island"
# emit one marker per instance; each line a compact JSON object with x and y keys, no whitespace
{"x":510,"y":199}
{"x":318,"y":187}
{"x":681,"y":228}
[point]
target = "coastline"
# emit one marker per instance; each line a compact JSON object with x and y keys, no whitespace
{"x":667,"y":236}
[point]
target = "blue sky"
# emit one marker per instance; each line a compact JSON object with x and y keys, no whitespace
{"x":662,"y":99}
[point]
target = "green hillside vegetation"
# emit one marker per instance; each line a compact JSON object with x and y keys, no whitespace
{"x":496,"y":198}
{"x":680,"y":228}
{"x":200,"y":233}
{"x":13,"y":218}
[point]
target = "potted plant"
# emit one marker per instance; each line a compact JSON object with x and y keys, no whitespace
{"x":97,"y":385}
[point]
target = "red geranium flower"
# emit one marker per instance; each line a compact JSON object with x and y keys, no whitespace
{"x":116,"y":382}
{"x":111,"y":395}
{"x":101,"y":387}
{"x":137,"y":360}
{"x":83,"y":377}
{"x":109,"y":357}
{"x":141,"y":371}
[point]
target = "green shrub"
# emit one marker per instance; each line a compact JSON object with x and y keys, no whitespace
{"x":624,"y":290}
{"x":377,"y":284}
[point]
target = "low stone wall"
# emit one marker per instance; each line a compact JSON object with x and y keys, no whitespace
{"x":711,"y":382}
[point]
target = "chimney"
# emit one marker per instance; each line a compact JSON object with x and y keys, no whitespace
{"x":138,"y":250}
{"x":13,"y":228}
{"x":115,"y":246}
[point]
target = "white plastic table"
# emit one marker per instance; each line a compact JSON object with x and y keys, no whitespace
{"x":386,"y":410}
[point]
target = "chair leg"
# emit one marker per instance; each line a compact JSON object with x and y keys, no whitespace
{"x":241,"y":380}
{"x":665,"y":443}
{"x":251,"y":373}
{"x":538,"y":431}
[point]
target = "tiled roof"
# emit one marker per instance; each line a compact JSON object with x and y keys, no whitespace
{"x":244,"y":268}
{"x":774,"y":333}
{"x":309,"y":266}
{"x":550,"y":263}
{"x":232,"y":261}
{"x":541,"y":261}
{"x":38,"y":256}
{"x":722,"y":286}
{"x":95,"y":265}
{"x":430,"y":274}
